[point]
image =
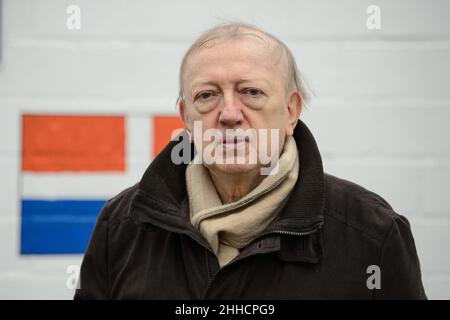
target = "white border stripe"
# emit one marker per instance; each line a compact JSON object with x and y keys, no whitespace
{"x":137,"y":144}
{"x":76,"y":185}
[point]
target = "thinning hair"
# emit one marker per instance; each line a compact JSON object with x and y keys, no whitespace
{"x":295,"y":81}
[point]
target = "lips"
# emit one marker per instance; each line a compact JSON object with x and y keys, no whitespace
{"x":234,"y":139}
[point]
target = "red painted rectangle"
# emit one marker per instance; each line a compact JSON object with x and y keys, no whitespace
{"x":163,"y":127}
{"x":55,"y":143}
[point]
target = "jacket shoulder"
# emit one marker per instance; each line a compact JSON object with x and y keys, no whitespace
{"x":359,"y":208}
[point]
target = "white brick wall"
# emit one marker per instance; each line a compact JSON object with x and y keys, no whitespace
{"x":380,"y":111}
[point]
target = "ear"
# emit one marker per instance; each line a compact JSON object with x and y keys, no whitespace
{"x":182,"y":111}
{"x":184,"y":117}
{"x":294,"y":110}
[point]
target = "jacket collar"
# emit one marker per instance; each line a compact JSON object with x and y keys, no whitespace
{"x":163,"y":196}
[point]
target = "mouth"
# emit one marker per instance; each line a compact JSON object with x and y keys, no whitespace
{"x":234,"y":140}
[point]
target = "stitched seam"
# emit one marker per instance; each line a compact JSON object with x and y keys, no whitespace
{"x":356,"y":227}
{"x":165,"y":204}
{"x":108,"y":275}
{"x":382,"y":250}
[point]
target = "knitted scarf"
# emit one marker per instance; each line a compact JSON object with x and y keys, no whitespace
{"x":230,"y":227}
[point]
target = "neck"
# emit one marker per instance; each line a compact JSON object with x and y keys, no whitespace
{"x":232,"y":187}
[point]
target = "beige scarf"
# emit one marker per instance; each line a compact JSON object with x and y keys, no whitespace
{"x":229,"y":227}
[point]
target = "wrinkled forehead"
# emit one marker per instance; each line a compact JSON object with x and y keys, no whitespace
{"x":250,"y":50}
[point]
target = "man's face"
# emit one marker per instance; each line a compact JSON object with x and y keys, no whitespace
{"x":239,"y":83}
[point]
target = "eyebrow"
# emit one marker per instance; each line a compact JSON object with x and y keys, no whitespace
{"x":202,"y":83}
{"x":240,"y":81}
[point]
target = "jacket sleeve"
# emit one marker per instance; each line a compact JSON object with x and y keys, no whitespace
{"x":93,"y":281}
{"x":400,"y":267}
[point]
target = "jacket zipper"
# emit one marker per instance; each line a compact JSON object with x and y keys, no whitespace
{"x":208,"y":267}
{"x":289,"y":233}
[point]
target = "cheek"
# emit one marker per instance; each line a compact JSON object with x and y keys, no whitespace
{"x":277,"y":108}
{"x":203,"y":122}
{"x":275,"y":117}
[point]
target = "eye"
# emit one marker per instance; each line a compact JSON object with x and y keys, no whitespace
{"x":205,"y":95}
{"x":253,"y":92}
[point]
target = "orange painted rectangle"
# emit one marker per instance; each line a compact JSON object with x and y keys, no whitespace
{"x":163,"y":127}
{"x":56,"y":143}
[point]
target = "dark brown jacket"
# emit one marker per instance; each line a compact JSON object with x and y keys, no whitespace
{"x":321,"y":246}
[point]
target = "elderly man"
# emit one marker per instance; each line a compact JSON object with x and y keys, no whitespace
{"x":229,"y":223}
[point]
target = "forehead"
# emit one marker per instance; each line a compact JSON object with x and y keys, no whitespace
{"x":248,"y":55}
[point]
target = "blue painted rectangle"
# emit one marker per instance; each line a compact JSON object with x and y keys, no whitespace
{"x":57,"y":226}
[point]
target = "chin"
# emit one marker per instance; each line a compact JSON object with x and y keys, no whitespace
{"x":234,"y":168}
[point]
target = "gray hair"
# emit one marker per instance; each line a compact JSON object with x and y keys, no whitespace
{"x":230,"y":30}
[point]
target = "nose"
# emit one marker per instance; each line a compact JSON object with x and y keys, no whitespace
{"x":231,"y":113}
